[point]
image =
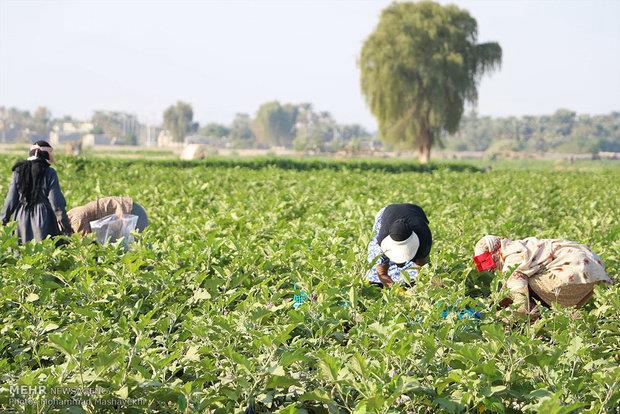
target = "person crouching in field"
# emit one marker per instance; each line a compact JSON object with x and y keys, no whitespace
{"x":81,"y":216}
{"x":550,"y":271}
{"x":402,"y":241}
{"x":35,"y":200}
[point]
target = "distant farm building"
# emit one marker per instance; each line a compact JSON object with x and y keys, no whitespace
{"x":60,"y":138}
{"x":69,"y":132}
{"x":92,"y":140}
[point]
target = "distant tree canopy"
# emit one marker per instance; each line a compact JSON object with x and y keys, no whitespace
{"x":42,"y":120}
{"x":241,"y":135}
{"x":564,"y":131}
{"x":22,"y":125}
{"x":178,"y":119}
{"x":295,"y":126}
{"x":316,"y":131}
{"x":274,"y":124}
{"x":215,"y":130}
{"x":419,"y":67}
{"x":300,"y":127}
{"x":121,"y":126}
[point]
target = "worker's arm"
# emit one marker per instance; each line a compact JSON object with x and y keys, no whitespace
{"x":518,"y":287}
{"x":11,"y":202}
{"x":384,"y":277}
{"x":118,"y":206}
{"x":58,"y":203}
{"x":123,"y":205}
{"x":421,"y":261}
{"x":375,"y":255}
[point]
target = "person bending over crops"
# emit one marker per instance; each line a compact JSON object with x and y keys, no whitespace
{"x":545,"y":270}
{"x":35,"y":200}
{"x":402,"y":241}
{"x":81,"y":216}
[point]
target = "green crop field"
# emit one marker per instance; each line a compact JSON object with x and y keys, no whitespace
{"x":199,"y":317}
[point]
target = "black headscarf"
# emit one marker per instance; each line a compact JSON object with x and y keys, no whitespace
{"x":400,"y":220}
{"x":30,"y":175}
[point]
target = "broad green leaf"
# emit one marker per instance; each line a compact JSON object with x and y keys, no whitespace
{"x":32,"y":297}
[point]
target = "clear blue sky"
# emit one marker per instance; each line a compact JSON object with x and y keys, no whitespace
{"x":226,"y":57}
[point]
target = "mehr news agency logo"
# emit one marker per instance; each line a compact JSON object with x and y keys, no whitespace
{"x":66,"y":396}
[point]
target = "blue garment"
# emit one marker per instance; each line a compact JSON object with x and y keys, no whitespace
{"x":299,"y":299}
{"x":462,"y":314}
{"x":375,"y":255}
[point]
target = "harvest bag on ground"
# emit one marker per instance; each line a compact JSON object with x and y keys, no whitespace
{"x":112,"y":228}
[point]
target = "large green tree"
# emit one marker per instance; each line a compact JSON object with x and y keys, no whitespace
{"x":419,"y":67}
{"x":178,"y":119}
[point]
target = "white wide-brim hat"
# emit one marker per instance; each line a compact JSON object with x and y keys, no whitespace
{"x":400,"y":251}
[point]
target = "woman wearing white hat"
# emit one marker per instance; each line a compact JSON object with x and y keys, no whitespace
{"x":402,"y":241}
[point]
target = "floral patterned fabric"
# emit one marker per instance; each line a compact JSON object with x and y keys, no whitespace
{"x":561,"y":263}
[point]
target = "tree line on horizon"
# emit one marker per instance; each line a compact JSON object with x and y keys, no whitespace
{"x":564,"y":131}
{"x":299,"y":127}
{"x":292,"y":126}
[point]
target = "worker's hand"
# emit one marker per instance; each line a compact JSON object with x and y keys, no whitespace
{"x":65,"y":229}
{"x":119,"y":210}
{"x":504,"y":303}
{"x":382,"y":271}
